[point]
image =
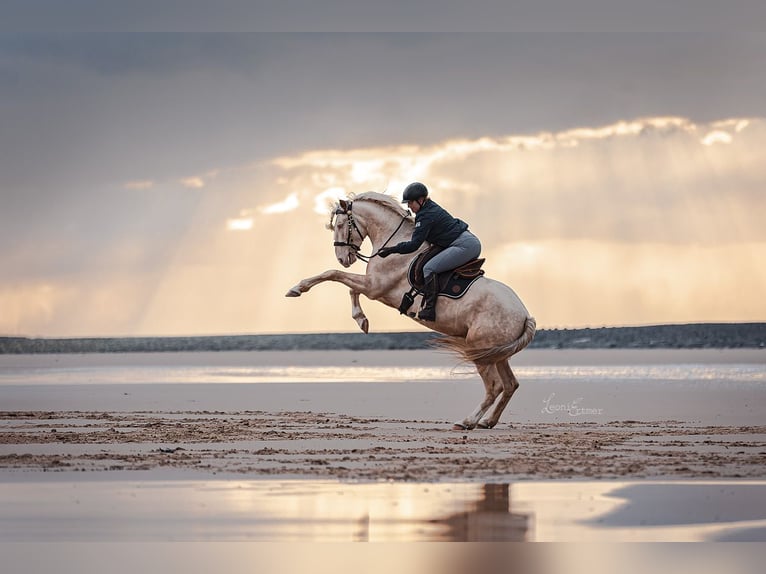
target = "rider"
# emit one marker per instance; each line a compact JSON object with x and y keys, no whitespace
{"x":435,"y":225}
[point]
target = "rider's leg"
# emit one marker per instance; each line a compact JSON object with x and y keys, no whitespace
{"x":463,"y":249}
{"x":428,"y":311}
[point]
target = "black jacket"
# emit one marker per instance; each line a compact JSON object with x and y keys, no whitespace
{"x":432,"y":224}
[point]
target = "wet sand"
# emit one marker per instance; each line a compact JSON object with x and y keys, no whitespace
{"x":570,"y":423}
{"x":328,"y":445}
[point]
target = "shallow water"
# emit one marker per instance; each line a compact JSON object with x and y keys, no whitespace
{"x":323,"y":511}
{"x":287,"y":373}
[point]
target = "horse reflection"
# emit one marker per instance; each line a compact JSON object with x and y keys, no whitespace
{"x":488,"y":520}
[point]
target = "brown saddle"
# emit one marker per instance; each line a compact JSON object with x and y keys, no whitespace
{"x":454,"y":283}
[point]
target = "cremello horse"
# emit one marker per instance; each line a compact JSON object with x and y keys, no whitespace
{"x":486,"y":326}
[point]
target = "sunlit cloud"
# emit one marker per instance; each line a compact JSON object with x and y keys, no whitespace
{"x":326,"y":198}
{"x":193,"y":182}
{"x":290,"y":203}
{"x":736,"y":124}
{"x":717,"y":136}
{"x":641,"y":221}
{"x":239,"y":224}
{"x":624,"y":128}
{"x":625,"y":179}
{"x":584,"y":222}
{"x":139,"y":184}
{"x":390,"y":168}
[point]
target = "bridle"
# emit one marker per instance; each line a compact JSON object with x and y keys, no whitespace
{"x":352,"y":226}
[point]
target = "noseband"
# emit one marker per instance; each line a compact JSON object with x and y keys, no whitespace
{"x":351,"y":226}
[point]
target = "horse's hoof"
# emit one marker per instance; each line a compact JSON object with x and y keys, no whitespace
{"x":293,"y":293}
{"x":462,"y":426}
{"x":364,"y":325}
{"x":484,"y":425}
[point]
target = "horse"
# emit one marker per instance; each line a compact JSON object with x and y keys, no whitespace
{"x":486,"y":326}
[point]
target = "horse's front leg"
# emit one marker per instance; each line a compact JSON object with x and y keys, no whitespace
{"x":358,"y":283}
{"x":357,"y":312}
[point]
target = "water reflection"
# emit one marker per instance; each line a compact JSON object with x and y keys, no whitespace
{"x":384,"y":512}
{"x":319,"y":511}
{"x":488,"y":519}
{"x":279,"y":511}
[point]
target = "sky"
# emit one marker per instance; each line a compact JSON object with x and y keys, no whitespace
{"x":177,"y":183}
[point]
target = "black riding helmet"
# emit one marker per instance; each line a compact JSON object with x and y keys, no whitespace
{"x":414,"y":191}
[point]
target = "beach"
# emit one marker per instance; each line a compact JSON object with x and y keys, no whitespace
{"x":386,"y":415}
{"x":311,"y":446}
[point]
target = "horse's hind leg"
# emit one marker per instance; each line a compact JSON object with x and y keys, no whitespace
{"x":510,"y":384}
{"x":493,"y":386}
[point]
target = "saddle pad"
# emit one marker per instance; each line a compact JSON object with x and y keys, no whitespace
{"x":452,"y":284}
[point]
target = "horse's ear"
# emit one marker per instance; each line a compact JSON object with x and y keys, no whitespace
{"x":343,"y":204}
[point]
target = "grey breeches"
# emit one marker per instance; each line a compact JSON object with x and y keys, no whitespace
{"x":462,"y":250}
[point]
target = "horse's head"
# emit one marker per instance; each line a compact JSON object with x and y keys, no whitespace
{"x":347,"y":232}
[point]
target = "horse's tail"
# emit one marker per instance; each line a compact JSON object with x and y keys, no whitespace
{"x":492,"y":354}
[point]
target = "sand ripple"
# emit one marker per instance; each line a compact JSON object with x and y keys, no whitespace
{"x":328,"y":445}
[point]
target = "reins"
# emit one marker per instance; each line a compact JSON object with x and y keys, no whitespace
{"x":351,"y":224}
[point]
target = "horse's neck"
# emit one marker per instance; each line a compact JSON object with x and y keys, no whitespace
{"x":381,"y":223}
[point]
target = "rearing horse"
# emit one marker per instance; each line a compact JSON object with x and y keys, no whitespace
{"x":486,"y":326}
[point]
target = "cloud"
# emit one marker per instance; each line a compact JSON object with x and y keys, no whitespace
{"x":174,"y":104}
{"x":290,"y":203}
{"x":635,"y":221}
{"x":193,"y":182}
{"x":647,"y":179}
{"x":139,"y":184}
{"x":717,"y":136}
{"x":420,"y":16}
{"x":324,"y":200}
{"x":240,"y":224}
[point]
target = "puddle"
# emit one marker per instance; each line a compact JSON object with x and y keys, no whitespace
{"x":328,"y":511}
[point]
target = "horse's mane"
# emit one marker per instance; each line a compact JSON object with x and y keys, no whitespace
{"x":386,"y":201}
{"x":381,"y":199}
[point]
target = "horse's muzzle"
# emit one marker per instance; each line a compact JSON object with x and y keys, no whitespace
{"x":348,"y":260}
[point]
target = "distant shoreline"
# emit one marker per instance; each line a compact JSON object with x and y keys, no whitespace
{"x":687,"y":336}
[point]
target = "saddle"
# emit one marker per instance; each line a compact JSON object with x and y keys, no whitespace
{"x":453,"y":284}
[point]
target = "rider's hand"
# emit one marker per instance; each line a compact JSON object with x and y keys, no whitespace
{"x":385,"y":252}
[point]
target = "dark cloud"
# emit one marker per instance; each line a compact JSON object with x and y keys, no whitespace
{"x":85,"y":109}
{"x":393,"y":15}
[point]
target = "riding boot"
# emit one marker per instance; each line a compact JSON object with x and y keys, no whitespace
{"x":428,"y":311}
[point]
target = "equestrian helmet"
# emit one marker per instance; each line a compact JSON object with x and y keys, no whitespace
{"x":414,"y":191}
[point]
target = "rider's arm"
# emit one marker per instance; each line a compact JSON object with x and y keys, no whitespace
{"x":418,"y":237}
